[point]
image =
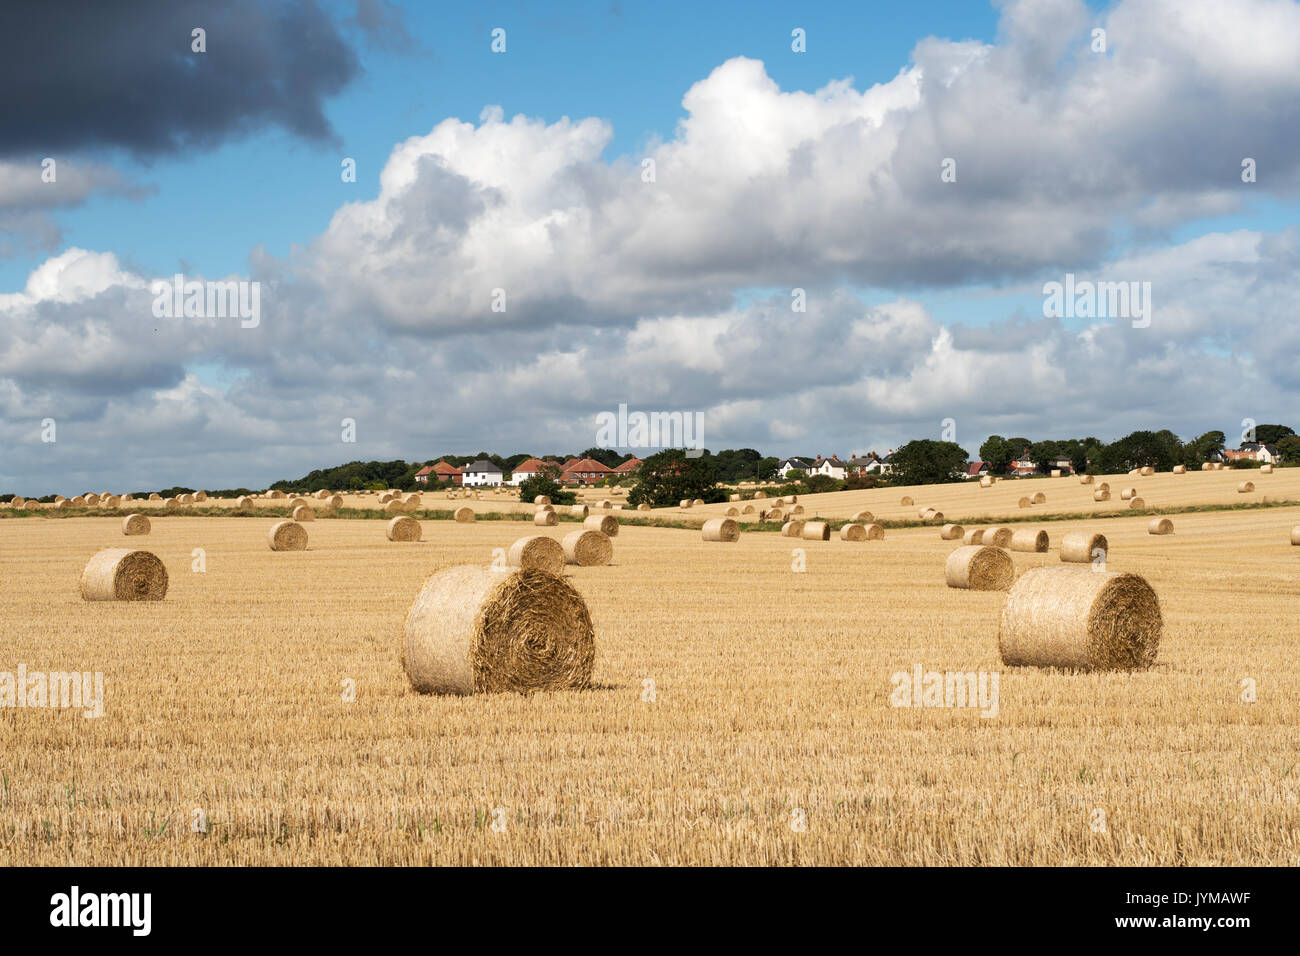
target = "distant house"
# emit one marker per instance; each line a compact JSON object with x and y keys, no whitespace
{"x":976,"y":469}
{"x":832,"y":467}
{"x":586,"y":471}
{"x":887,"y":463}
{"x":529,"y":469}
{"x":787,"y":465}
{"x":439,"y":472}
{"x":625,"y":469}
{"x":865,"y":465}
{"x":481,"y":472}
{"x":1023,"y":466}
{"x":1253,"y":451}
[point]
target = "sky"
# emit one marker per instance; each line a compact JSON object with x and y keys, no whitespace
{"x":826,"y":230}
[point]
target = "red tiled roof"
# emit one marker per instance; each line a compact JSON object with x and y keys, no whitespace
{"x":628,"y":465}
{"x":569,"y":464}
{"x":587,"y":464}
{"x":975,"y":467}
{"x":532,"y":464}
{"x":424,"y":471}
{"x":443,"y":468}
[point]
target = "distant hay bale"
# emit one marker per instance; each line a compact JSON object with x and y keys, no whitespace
{"x":297,"y":502}
{"x":1078,"y":546}
{"x":816,"y":531}
{"x":1025,"y":502}
{"x":92,"y":500}
{"x":1266,"y":469}
{"x":411,"y":502}
{"x":463,"y":514}
{"x":537,"y":551}
{"x":979,"y":568}
{"x":153,"y":496}
{"x":135,"y":524}
{"x":1101,"y":494}
{"x":778,"y":501}
{"x":63,"y":504}
{"x":287,"y":536}
{"x":200,"y":496}
{"x":986,"y":481}
{"x":853,"y":532}
{"x":546,"y":519}
{"x":121,"y":574}
{"x":685,"y":503}
{"x":476,"y":630}
{"x":748,"y":509}
{"x":605,"y":524}
{"x":1056,"y":473}
{"x":973,"y":536}
{"x":758,"y":495}
{"x":697,"y":503}
{"x":546,"y":507}
{"x":643,"y":506}
{"x":403,"y":528}
{"x":776,"y":514}
{"x":580,"y":511}
{"x":732,"y":512}
{"x":243,"y":502}
{"x":1134,"y":472}
{"x":321,"y":493}
{"x":394,"y":507}
{"x":862,"y":517}
{"x":875,"y":532}
{"x":1078,"y":618}
{"x":1104,"y":486}
{"x":1218,"y":466}
{"x":1245,"y":486}
{"x":185,"y":499}
{"x":951,"y":532}
{"x":792,"y":499}
{"x":907,"y":501}
{"x":331,"y":502}
{"x":794,"y":529}
{"x":1085,"y":479}
{"x":1040,"y":498}
{"x":171,"y":503}
{"x":1180,"y":469}
{"x":303,"y":513}
{"x":1207,"y":466}
{"x":1295,"y":535}
{"x":1027,"y":539}
{"x":80,"y":502}
{"x":796,"y":509}
{"x":587,"y":548}
{"x":1126,"y":493}
{"x":1136,"y":503}
{"x":1148,"y":471}
{"x":735,"y":497}
{"x":1160,"y":526}
{"x":997,"y":537}
{"x":720,"y":529}
{"x":540,"y":500}
{"x":932,"y":516}
{"x":110,"y":501}
{"x":385,"y":498}
{"x":32,"y":505}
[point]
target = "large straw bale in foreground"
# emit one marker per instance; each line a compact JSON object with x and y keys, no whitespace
{"x":135,"y":524}
{"x":1078,"y":546}
{"x":951,"y":532}
{"x":121,"y":574}
{"x":605,"y":524}
{"x":287,"y":536}
{"x":537,"y":551}
{"x":720,"y":529}
{"x":587,"y":548}
{"x":404,"y":528}
{"x":1079,"y":618}
{"x":1027,"y":539}
{"x":979,"y":568}
{"x":476,"y":630}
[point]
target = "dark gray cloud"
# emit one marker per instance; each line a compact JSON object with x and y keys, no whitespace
{"x":83,"y":74}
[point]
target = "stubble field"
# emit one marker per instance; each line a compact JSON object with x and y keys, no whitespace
{"x":770,"y":737}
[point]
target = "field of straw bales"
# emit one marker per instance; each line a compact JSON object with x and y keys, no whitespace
{"x":740,"y":711}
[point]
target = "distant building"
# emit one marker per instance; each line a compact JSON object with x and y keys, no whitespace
{"x":1253,"y":451}
{"x":439,"y":472}
{"x":585,"y":471}
{"x":529,"y":469}
{"x":625,"y":469}
{"x":865,"y":465}
{"x":976,"y":469}
{"x":787,"y":465}
{"x":831,"y":467}
{"x":481,"y":472}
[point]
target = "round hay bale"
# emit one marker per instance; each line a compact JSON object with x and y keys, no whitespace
{"x":78,"y":501}
{"x":1085,"y":479}
{"x":32,"y":505}
{"x":1295,"y":535}
{"x":607,"y":504}
{"x":185,"y":499}
{"x":539,"y":500}
{"x":475,"y":630}
{"x":17,"y":501}
{"x":1040,"y":498}
{"x":951,"y":532}
{"x":1245,"y":487}
{"x":1136,"y":503}
{"x":1134,"y":472}
{"x":748,"y":509}
{"x":1160,"y":526}
{"x":986,"y":481}
{"x":997,"y":537}
{"x":297,"y":502}
{"x":1148,"y":471}
{"x":110,"y":501}
{"x":200,"y":496}
{"x":1078,"y":546}
{"x":1180,"y":469}
{"x":1027,"y":539}
{"x":720,"y":529}
{"x":776,"y":514}
{"x":973,"y":536}
{"x":1104,"y":486}
{"x":1056,"y":473}
{"x":794,"y":529}
{"x":924,"y":513}
{"x":1126,"y":493}
{"x":853,"y":532}
{"x":546,"y":507}
{"x":303,"y":513}
{"x":394,"y":507}
{"x":385,"y":498}
{"x":153,"y":496}
{"x":1024,"y":502}
{"x":1101,"y":494}
{"x":1207,"y":466}
{"x":796,"y":509}
{"x":1078,"y":618}
{"x":463,"y":514}
{"x":862,"y":517}
{"x":816,"y":531}
{"x":875,"y":532}
{"x":121,"y":574}
{"x":733,"y":497}
{"x":546,"y":519}
{"x":1266,"y":469}
{"x":643,"y":506}
{"x":933,"y":517}
{"x":135,"y":524}
{"x":587,"y":548}
{"x":243,"y":502}
{"x":171,"y":503}
{"x":63,"y":505}
{"x":759,"y":494}
{"x":685,"y":503}
{"x":907,"y":501}
{"x":287,"y":536}
{"x":404,"y":528}
{"x":580,"y":511}
{"x":92,"y":500}
{"x":605,"y":524}
{"x":732,"y":512}
{"x":537,"y":551}
{"x":792,"y":498}
{"x":697,"y":503}
{"x":332,"y":502}
{"x":979,"y":568}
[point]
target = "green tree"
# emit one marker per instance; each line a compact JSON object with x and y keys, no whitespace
{"x":1289,"y":448}
{"x":544,"y":483}
{"x":669,"y":476}
{"x":996,"y":450}
{"x":1272,"y":434}
{"x":606,"y":456}
{"x":766,"y":469}
{"x":927,"y":462}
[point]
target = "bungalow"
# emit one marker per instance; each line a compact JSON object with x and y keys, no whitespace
{"x":787,"y":465}
{"x":440,"y":472}
{"x":586,"y":471}
{"x":976,"y":469}
{"x":530,"y":469}
{"x":1253,"y":451}
{"x":625,"y":469}
{"x":481,"y":472}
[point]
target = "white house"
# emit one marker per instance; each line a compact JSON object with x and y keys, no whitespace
{"x":529,"y":469}
{"x":832,"y":467}
{"x":481,"y":472}
{"x":787,"y":465}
